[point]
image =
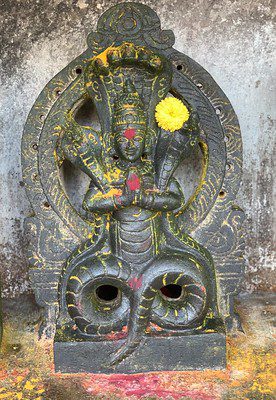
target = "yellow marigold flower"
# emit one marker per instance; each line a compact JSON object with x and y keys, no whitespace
{"x":171,"y":114}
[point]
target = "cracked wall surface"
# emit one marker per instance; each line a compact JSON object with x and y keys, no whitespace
{"x":233,"y":40}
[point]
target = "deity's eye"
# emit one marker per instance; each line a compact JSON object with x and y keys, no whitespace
{"x":120,"y":139}
{"x":138,"y":138}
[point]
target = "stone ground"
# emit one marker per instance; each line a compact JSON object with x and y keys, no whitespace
{"x":26,"y":364}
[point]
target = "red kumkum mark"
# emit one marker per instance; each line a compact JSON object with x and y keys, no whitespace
{"x":135,"y":283}
{"x":133,"y":183}
{"x":130,"y":133}
{"x":202,"y":288}
{"x":117,"y":335}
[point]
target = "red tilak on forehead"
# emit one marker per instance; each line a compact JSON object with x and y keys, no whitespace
{"x":130,"y":133}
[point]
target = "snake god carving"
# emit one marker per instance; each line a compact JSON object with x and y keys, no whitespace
{"x":132,"y":276}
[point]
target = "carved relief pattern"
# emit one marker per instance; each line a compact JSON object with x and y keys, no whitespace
{"x":137,"y":242}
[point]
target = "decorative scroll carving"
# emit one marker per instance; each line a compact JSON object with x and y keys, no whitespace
{"x":136,"y":259}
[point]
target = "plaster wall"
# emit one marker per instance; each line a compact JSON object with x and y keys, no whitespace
{"x":233,"y":39}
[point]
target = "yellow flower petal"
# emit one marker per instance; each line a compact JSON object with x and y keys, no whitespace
{"x":29,"y":386}
{"x":171,"y":114}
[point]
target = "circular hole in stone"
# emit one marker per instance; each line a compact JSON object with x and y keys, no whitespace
{"x":58,"y":92}
{"x":222,"y":194}
{"x":115,"y":157}
{"x":229,"y":166}
{"x":226,"y":138}
{"x":172,"y":291}
{"x":42,"y":117}
{"x":35,"y":146}
{"x":14,"y":348}
{"x":78,"y":70}
{"x":218,"y":110}
{"x":107,"y":293}
{"x":179,"y":67}
{"x":46,"y":204}
{"x":199,"y":85}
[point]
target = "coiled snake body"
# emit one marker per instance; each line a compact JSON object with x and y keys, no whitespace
{"x":139,"y":245}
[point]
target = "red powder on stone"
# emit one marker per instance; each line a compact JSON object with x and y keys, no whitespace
{"x":130,"y":133}
{"x":133,"y":182}
{"x":135,"y":283}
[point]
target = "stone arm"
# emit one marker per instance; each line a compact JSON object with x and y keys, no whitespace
{"x":98,"y":201}
{"x":115,"y":199}
{"x":169,"y":200}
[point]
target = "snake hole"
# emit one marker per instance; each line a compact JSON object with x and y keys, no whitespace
{"x":172,"y":292}
{"x":107,"y":293}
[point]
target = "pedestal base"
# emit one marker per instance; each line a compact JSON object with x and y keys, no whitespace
{"x":198,"y":351}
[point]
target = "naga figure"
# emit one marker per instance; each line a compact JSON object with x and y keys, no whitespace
{"x":138,"y":256}
{"x":126,"y":268}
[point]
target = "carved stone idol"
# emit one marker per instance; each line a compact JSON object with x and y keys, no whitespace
{"x":132,"y":276}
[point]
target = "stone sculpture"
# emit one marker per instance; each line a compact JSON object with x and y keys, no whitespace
{"x":136,"y":278}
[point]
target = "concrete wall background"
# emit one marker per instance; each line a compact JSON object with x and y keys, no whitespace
{"x":233,"y":40}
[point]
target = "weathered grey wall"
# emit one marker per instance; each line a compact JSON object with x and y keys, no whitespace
{"x":232,"y":39}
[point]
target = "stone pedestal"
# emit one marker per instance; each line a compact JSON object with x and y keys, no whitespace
{"x":198,"y":351}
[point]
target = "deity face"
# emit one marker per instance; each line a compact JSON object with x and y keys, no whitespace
{"x":130,"y":143}
{"x":129,"y":124}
